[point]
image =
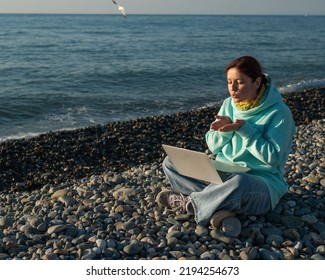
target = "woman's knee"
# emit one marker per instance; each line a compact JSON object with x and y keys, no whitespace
{"x":167,"y":163}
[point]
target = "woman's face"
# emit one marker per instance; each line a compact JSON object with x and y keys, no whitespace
{"x":240,"y":86}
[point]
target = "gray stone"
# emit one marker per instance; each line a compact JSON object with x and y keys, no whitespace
{"x":309,"y":219}
{"x":59,"y":193}
{"x":176,"y":254}
{"x":174,"y":233}
{"x":66,"y":200}
{"x":231,"y":226}
{"x":88,"y":254}
{"x":268,"y":255}
{"x":317,"y":257}
{"x":56,"y":229}
{"x":274,"y":239}
{"x":133,"y":248}
{"x":207,"y":256}
{"x":6,"y":222}
{"x":218,"y":235}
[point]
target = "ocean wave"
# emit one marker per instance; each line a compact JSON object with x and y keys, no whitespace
{"x":28,"y":135}
{"x":315,"y":83}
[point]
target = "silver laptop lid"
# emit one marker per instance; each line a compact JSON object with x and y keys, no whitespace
{"x":193,"y":164}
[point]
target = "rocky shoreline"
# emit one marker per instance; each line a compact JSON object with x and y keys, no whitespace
{"x":89,"y":194}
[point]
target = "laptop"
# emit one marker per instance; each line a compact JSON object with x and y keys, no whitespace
{"x":198,"y":165}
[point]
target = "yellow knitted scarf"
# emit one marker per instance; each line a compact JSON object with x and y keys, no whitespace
{"x":249,"y":104}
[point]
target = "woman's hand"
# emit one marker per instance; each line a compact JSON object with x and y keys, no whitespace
{"x":224,"y":124}
{"x":220,"y":121}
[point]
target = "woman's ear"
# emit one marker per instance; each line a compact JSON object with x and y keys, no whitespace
{"x":258,"y":82}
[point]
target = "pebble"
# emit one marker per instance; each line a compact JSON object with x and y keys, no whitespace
{"x":231,"y":226}
{"x":100,"y":204}
{"x":133,"y":248}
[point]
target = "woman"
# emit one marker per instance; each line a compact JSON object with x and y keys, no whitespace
{"x":254,"y":128}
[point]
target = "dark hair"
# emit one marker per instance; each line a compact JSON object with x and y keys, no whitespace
{"x":249,"y":66}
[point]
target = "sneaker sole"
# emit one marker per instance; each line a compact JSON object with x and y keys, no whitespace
{"x":158,"y":198}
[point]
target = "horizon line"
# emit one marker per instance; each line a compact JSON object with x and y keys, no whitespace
{"x":153,"y":14}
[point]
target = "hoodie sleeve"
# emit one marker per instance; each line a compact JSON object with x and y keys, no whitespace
{"x":273,"y":144}
{"x":217,"y":140}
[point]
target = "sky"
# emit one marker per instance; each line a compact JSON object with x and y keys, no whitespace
{"x":248,"y":7}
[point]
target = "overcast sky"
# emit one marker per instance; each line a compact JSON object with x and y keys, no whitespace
{"x":277,"y":7}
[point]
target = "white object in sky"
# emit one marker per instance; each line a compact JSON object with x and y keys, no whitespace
{"x":120,"y":8}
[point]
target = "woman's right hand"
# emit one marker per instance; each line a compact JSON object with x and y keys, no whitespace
{"x":220,"y":121}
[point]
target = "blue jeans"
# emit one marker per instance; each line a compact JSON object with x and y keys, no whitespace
{"x":241,"y":193}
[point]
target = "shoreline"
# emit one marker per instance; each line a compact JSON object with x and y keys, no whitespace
{"x":90,"y":195}
{"x":55,"y":157}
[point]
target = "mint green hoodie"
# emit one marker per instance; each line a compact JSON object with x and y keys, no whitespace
{"x":262,"y":143}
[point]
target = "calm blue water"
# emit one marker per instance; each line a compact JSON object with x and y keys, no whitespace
{"x":70,"y":71}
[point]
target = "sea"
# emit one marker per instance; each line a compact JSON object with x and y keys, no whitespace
{"x":63,"y":71}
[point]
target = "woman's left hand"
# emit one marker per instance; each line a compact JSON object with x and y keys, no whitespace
{"x":237,"y":124}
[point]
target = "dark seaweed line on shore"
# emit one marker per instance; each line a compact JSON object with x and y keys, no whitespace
{"x":57,"y":157}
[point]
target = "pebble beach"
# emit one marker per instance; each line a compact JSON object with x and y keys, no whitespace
{"x":89,"y":194}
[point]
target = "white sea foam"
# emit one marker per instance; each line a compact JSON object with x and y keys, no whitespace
{"x":303,"y":85}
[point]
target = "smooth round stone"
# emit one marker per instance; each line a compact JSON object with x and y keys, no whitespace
{"x":123,"y":209}
{"x":88,"y":254}
{"x":182,"y":217}
{"x":207,"y":256}
{"x":172,"y":221}
{"x":171,"y":242}
{"x":110,"y":243}
{"x":288,"y":256}
{"x":322,"y":182}
{"x":133,"y":248}
{"x":194,"y":251}
{"x":34,"y":221}
{"x":252,"y":253}
{"x":316,"y":238}
{"x":50,"y":256}
{"x":298,"y":245}
{"x":123,"y":193}
{"x":101,"y":243}
{"x":28,"y":209}
{"x":218,"y":235}
{"x":56,"y":229}
{"x":309,"y":219}
{"x":291,"y":203}
{"x":162,"y":244}
{"x":291,"y":234}
{"x":66,"y":200}
{"x":176,"y":254}
{"x":231,"y":226}
{"x":243,"y":255}
{"x":317,"y":257}
{"x":174,"y":233}
{"x":273,"y":238}
{"x":320,"y":249}
{"x":268,"y":255}
{"x":128,"y":225}
{"x":27,"y":229}
{"x":99,"y":209}
{"x":201,"y":231}
{"x":6,"y":222}
{"x":148,"y":240}
{"x":59,"y":193}
{"x":97,"y":250}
